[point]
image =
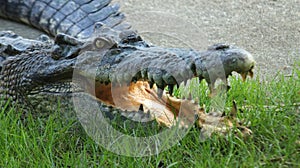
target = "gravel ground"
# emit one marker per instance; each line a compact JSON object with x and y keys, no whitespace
{"x":269,"y":29}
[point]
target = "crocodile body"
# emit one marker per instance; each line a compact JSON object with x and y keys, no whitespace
{"x":75,"y":17}
{"x":106,"y":61}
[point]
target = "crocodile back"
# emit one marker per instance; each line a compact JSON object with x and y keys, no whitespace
{"x":72,"y":17}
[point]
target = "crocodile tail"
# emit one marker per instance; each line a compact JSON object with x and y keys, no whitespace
{"x":73,"y":17}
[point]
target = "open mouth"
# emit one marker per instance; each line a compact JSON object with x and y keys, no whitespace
{"x":141,"y":97}
{"x":162,"y":106}
{"x":134,"y":85}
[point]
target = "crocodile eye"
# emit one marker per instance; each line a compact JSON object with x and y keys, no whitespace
{"x":101,"y":42}
{"x":234,"y":60}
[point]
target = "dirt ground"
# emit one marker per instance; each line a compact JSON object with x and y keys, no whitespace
{"x":268,"y":29}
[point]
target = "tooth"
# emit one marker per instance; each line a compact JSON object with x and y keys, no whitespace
{"x":149,"y":76}
{"x":151,"y":85}
{"x":244,"y":76}
{"x":171,"y":89}
{"x":134,"y":79}
{"x":160,"y":89}
{"x":146,"y":117}
{"x":119,"y":79}
{"x":137,"y":76}
{"x":148,"y":114}
{"x":251,"y":73}
{"x":141,"y":107}
{"x":144,"y":74}
{"x":160,"y":92}
{"x":200,"y":78}
{"x":184,"y":83}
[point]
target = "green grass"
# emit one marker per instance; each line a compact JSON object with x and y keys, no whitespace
{"x":271,"y":107}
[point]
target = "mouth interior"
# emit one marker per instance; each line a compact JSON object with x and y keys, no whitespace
{"x":142,"y":96}
{"x":139,"y":94}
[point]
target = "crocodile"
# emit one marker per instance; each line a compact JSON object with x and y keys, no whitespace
{"x":96,"y":54}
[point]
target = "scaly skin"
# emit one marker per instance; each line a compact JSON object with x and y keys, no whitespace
{"x":73,"y":17}
{"x":114,"y":66}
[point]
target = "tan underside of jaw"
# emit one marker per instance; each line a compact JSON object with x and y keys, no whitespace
{"x":164,"y":109}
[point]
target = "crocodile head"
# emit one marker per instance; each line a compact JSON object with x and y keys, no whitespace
{"x":125,"y":74}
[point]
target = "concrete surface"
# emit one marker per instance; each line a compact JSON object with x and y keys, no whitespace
{"x":269,"y":29}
